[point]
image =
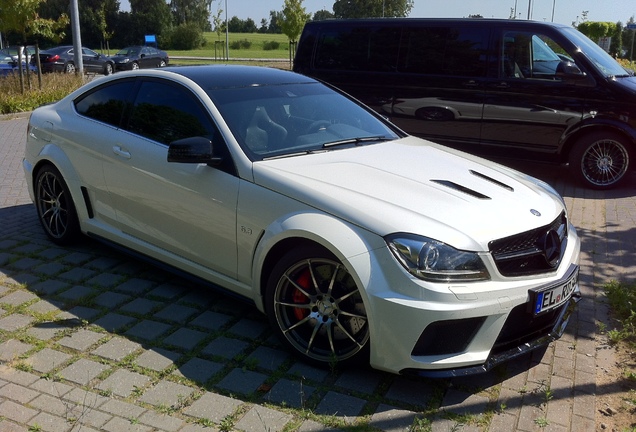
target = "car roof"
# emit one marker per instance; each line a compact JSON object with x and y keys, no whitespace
{"x":231,"y":76}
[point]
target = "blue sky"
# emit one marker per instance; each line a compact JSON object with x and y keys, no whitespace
{"x":565,"y":11}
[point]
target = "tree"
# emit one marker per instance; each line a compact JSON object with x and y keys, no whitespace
{"x":274,"y":22}
{"x":294,"y":19}
{"x":596,"y":30}
{"x":322,"y":15}
{"x":372,"y":8}
{"x":22,"y":18}
{"x":192,"y":12}
{"x":150,"y":17}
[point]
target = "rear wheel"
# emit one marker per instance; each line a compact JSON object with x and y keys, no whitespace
{"x":316,"y":308}
{"x":600,"y":160}
{"x":69,"y":68}
{"x":55,"y":207}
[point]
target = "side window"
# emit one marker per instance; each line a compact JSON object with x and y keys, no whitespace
{"x":359,"y":49}
{"x":532,"y":56}
{"x":454,"y":51}
{"x":107,"y":103}
{"x":165,"y":113}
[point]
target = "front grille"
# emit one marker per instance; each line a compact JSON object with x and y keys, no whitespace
{"x":532,"y":252}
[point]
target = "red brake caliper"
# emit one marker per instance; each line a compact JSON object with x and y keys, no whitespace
{"x":304,"y":280}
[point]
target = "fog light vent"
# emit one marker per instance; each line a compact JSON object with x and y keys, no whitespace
{"x":447,"y":337}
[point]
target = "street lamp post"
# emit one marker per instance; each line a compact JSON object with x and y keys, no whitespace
{"x":227,"y":36}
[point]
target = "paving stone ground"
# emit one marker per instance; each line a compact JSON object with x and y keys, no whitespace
{"x":93,"y":340}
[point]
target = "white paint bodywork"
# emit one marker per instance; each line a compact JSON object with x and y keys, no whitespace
{"x":221,"y":227}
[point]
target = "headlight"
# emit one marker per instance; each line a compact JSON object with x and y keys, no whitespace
{"x":435,"y":261}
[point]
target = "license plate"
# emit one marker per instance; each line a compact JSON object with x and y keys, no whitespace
{"x":545,"y":299}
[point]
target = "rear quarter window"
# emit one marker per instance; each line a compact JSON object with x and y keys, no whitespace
{"x":106,"y":103}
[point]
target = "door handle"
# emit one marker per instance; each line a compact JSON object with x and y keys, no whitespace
{"x":121,"y":152}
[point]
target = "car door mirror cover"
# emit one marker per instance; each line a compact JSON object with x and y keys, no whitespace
{"x":193,"y":150}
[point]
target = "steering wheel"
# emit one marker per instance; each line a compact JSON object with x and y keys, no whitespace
{"x":318,"y":125}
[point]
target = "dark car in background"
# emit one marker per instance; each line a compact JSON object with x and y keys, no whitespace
{"x":62,"y":59}
{"x":139,"y":57}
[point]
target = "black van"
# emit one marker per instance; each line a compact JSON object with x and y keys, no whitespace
{"x":505,"y":87}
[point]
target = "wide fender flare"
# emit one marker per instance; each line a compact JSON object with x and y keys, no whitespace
{"x":349,"y":243}
{"x":53,"y":155}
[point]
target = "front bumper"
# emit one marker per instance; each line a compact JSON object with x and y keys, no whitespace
{"x":445,"y":330}
{"x":497,"y":358}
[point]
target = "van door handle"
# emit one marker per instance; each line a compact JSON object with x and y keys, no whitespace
{"x":471,"y":83}
{"x":121,"y":152}
{"x":503,"y":85}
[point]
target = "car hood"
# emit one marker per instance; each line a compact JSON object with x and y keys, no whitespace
{"x":414,"y":186}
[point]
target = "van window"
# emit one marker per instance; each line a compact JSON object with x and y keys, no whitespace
{"x":358,"y":49}
{"x":531,"y":56}
{"x":455,"y":51}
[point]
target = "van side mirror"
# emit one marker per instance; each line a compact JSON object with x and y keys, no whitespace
{"x":567,"y":70}
{"x":193,"y":150}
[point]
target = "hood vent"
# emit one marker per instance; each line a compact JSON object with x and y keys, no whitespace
{"x":461,"y":188}
{"x":492,"y":180}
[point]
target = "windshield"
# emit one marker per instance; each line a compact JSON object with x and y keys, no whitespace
{"x":602,"y":60}
{"x":290,"y":119}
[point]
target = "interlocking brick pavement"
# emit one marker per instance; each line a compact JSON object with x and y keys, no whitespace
{"x":93,"y":340}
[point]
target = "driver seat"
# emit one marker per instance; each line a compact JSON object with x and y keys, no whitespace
{"x":262,"y":133}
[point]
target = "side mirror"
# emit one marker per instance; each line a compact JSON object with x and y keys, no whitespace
{"x":193,"y":150}
{"x":568,"y":70}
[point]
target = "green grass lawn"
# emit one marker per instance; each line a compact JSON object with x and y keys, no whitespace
{"x":256,"y":50}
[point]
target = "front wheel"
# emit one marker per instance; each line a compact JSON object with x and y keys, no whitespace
{"x":316,"y":308}
{"x":108,"y":69}
{"x":135,"y":66}
{"x":600,"y":160}
{"x":55,"y":207}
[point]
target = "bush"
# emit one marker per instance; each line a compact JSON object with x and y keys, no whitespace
{"x":54,"y":87}
{"x":186,"y":37}
{"x":271,"y":45}
{"x":240,"y":44}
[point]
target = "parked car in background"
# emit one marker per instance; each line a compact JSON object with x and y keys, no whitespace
{"x":12,"y":51}
{"x":9,"y":66}
{"x":62,"y":59}
{"x":360,"y":243}
{"x":139,"y":57}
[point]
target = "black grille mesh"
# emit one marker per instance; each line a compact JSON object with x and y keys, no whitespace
{"x":523,"y":254}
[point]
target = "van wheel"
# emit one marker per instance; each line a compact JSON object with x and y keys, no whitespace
{"x":316,"y":308}
{"x":600,"y":160}
{"x":56,"y":210}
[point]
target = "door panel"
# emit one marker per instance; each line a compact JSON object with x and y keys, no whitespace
{"x":186,"y":209}
{"x":528,"y":107}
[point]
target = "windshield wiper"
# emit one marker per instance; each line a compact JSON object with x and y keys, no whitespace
{"x":356,"y":141}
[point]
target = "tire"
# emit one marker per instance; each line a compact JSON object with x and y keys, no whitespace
{"x":134,"y":66}
{"x":69,"y":68}
{"x":601,"y":160}
{"x":108,"y":69}
{"x":317,"y":310}
{"x":55,"y":207}
{"x":162,"y":63}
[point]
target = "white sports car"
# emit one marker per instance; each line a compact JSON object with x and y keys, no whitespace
{"x":360,"y":243}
